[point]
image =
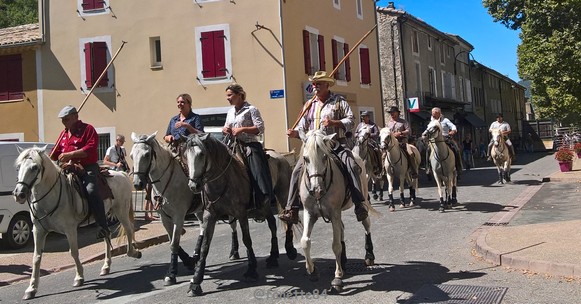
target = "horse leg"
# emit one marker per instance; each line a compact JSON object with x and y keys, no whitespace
{"x":234,"y":254}
{"x":369,"y":255}
{"x":309,"y":222}
{"x":500,"y":176}
{"x":380,"y":183}
{"x":412,"y":193}
{"x":174,"y":236}
{"x":454,"y":195}
{"x":401,"y":191}
{"x":74,"y":250}
{"x":250,"y":273}
{"x":106,"y":268}
{"x":39,"y":241}
{"x":129,"y":230}
{"x":337,"y":283}
{"x":272,"y":260}
{"x":390,"y":193}
{"x":291,"y":251}
{"x":195,"y":288}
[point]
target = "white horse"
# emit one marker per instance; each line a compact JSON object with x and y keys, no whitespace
{"x":500,"y":156}
{"x":57,"y":206}
{"x":323,"y":194}
{"x":369,"y":152}
{"x":396,"y":165}
{"x":443,"y":162}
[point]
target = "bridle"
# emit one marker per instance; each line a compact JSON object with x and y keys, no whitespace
{"x":322,"y":175}
{"x":388,"y":144}
{"x":147,"y":173}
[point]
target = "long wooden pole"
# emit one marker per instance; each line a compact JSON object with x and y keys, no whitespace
{"x":91,"y":91}
{"x":310,"y":102}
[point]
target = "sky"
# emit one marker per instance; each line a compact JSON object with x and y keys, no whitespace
{"x":494,"y":44}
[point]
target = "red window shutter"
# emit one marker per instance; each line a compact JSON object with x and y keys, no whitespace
{"x":99,"y":4}
{"x":365,"y":68}
{"x":335,"y":55}
{"x":347,"y":63}
{"x":89,"y":65}
{"x":88,"y":4}
{"x":4,"y":72}
{"x":208,"y":67}
{"x":307,"y":52}
{"x":15,"y":78}
{"x":219,"y":54}
{"x":321,"y":41}
{"x":100,"y":62}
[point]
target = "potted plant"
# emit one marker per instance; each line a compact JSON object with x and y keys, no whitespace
{"x":565,"y":158}
{"x":577,"y":149}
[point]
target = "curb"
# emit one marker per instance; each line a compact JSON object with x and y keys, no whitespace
{"x":498,"y":258}
{"x":117,"y":250}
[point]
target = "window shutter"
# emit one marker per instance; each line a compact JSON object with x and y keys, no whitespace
{"x":365,"y":69}
{"x":99,"y":4}
{"x":219,"y":54}
{"x":89,"y":65}
{"x":15,"y":78}
{"x":307,"y":52}
{"x":4,"y":72}
{"x":88,"y":4}
{"x":100,"y":63}
{"x":208,"y":67}
{"x":335,"y":55}
{"x":347,"y":63}
{"x":321,"y":42}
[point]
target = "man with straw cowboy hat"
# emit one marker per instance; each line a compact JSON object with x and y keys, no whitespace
{"x":330,"y":113}
{"x":401,"y":130}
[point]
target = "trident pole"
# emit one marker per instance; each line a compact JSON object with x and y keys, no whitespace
{"x":310,"y":102}
{"x":91,"y":91}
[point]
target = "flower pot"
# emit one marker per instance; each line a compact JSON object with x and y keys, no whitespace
{"x":566,"y":166}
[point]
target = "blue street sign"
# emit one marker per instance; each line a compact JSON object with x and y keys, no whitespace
{"x":276,"y":93}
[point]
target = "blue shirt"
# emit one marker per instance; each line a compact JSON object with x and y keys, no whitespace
{"x":192,"y":119}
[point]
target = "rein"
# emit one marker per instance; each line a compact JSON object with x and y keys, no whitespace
{"x":147,"y":172}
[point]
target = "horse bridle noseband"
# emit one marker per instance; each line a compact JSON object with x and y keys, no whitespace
{"x":147,"y":171}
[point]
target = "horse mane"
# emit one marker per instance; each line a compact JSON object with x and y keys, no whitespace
{"x":212,"y":147}
{"x":35,"y":153}
{"x":316,"y":138}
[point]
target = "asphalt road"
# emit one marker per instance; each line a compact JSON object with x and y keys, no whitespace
{"x":418,"y":252}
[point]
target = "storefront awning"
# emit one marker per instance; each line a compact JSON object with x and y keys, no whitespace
{"x":422,"y":115}
{"x":475,"y":121}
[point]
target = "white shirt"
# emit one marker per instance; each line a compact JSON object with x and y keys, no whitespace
{"x":114,"y":155}
{"x":503,"y":126}
{"x":447,"y":125}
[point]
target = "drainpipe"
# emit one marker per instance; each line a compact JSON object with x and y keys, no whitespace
{"x":379,"y":70}
{"x":402,"y":54}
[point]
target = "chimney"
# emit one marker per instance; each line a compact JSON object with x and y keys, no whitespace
{"x":390,"y":4}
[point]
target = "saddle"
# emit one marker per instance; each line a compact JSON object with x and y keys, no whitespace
{"x":75,"y":170}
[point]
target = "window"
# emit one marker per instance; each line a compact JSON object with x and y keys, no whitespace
{"x":11,"y":77}
{"x":365,"y":65}
{"x":468,"y":91}
{"x":337,"y":4}
{"x":442,"y":56}
{"x":314,"y":51}
{"x":95,"y":55}
{"x":359,"y":9}
{"x":418,"y":77}
{"x":461,"y":88}
{"x":415,"y":43}
{"x":214,"y":61}
{"x":339,"y":49}
{"x":432,"y":82}
{"x":87,"y":8}
{"x":155,"y":52}
{"x":104,"y":144}
{"x":88,"y":5}
{"x":448,"y":85}
{"x":429,"y":43}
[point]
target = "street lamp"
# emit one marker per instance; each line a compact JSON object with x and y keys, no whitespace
{"x":470,"y":57}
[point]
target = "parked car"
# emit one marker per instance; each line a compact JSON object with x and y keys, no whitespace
{"x":15,"y":220}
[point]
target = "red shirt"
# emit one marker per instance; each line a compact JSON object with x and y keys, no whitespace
{"x":83,"y":137}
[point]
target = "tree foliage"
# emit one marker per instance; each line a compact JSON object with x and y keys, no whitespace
{"x":18,"y":12}
{"x":550,"y":52}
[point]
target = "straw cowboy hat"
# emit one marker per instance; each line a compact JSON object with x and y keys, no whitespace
{"x":321,"y":76}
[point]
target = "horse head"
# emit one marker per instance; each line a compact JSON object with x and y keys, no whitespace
{"x":496,"y":136}
{"x":387,"y":139}
{"x":199,"y":148}
{"x":434,"y":130}
{"x":362,"y":135}
{"x":143,"y":156}
{"x":30,"y":170}
{"x":317,"y":154}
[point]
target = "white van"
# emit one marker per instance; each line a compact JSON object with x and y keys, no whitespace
{"x":15,"y":222}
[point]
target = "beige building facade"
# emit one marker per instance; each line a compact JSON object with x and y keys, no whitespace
{"x":198,"y":47}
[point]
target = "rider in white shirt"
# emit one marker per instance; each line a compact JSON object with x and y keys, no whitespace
{"x":504,"y":128}
{"x":448,"y":130}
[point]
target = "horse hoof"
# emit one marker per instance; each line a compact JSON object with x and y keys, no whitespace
{"x":169,"y":281}
{"x":337,"y":285}
{"x":138,"y":255}
{"x":375,"y":196}
{"x":391,"y":208}
{"x":29,"y":295}
{"x":195,"y":290}
{"x":402,"y":205}
{"x":235,"y":256}
{"x":195,"y":259}
{"x":271,"y":262}
{"x":105,"y":271}
{"x":291,"y":253}
{"x":369,"y":262}
{"x":314,"y":276}
{"x":412,"y":203}
{"x":78,"y":283}
{"x":441,"y":209}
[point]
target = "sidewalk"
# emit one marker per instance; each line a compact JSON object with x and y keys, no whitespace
{"x":551,"y":245}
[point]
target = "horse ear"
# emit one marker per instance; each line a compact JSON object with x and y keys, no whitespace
{"x":330,"y":137}
{"x":19,"y":149}
{"x":134,"y":137}
{"x":203,"y":136}
{"x":151,"y":136}
{"x":43,"y":149}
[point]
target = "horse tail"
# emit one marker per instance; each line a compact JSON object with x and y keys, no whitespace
{"x":121,"y":232}
{"x":372,"y":211}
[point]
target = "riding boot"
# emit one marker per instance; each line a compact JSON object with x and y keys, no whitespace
{"x":354,"y":183}
{"x":291,"y":211}
{"x":511,"y":152}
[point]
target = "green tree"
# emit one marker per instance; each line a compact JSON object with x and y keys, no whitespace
{"x":550,"y":52}
{"x":18,"y":12}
